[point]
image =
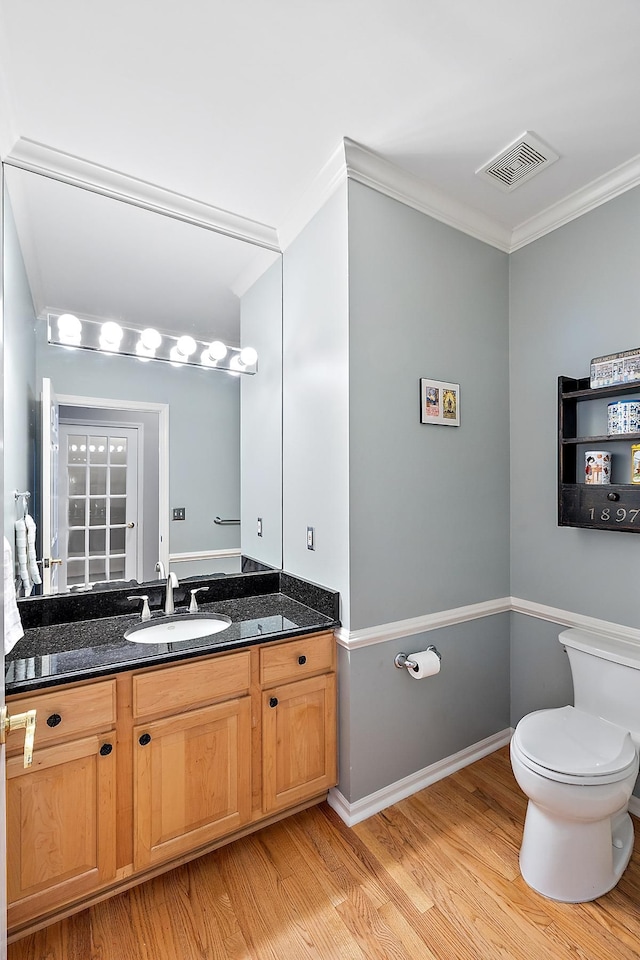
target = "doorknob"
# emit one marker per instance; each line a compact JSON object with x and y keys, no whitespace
{"x":130,"y":525}
{"x":19,"y":720}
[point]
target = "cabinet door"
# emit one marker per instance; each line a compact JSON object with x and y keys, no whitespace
{"x":61,"y":819}
{"x":298,"y":741}
{"x":192,"y":780}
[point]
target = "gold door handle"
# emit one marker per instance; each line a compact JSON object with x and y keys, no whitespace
{"x":19,"y":720}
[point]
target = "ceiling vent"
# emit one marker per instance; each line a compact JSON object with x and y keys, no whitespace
{"x":519,"y":162}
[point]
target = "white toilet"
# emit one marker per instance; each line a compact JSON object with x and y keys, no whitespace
{"x":578,"y":767}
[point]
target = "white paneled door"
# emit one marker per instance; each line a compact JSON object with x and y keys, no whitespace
{"x":99,"y":520}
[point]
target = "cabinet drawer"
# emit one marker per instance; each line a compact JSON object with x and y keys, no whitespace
{"x":296,"y":659}
{"x":191,"y":684}
{"x":64,"y":714}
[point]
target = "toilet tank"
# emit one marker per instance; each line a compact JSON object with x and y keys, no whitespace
{"x":606,"y":677}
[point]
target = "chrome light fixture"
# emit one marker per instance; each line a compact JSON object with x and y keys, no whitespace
{"x":72,"y":332}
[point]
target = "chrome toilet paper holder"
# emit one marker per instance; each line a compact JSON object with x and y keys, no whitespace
{"x":404,"y":660}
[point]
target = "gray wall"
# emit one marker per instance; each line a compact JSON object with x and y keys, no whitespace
{"x":261,"y":419}
{"x":429,"y":505}
{"x":575,"y":294}
{"x":409,"y":519}
{"x":396,"y":725}
{"x":204,"y":431}
{"x":315,"y":400}
{"x":19,"y":378}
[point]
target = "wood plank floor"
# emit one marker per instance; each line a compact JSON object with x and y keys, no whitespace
{"x":434,"y":877}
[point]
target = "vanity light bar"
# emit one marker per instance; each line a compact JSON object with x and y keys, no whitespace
{"x":68,"y":330}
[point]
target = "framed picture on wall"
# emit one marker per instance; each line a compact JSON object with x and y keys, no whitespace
{"x":440,"y":402}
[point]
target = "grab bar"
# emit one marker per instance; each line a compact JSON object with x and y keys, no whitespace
{"x":225,"y":523}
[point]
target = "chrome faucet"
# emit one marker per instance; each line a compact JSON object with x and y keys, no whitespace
{"x":172,"y":582}
{"x":160,"y":570}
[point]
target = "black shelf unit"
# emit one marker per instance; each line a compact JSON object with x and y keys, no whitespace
{"x":613,"y":506}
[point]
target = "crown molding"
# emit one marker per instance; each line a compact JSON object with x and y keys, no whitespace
{"x":353,"y":161}
{"x":48,"y":161}
{"x":599,"y":191}
{"x":368,"y":168}
{"x":349,"y":161}
{"x":321,"y":188}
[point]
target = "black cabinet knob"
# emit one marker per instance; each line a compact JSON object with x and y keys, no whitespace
{"x":144,"y":739}
{"x":613,"y":496}
{"x":54,"y":720}
{"x":273,"y":702}
{"x":302,"y":660}
{"x":106,"y":749}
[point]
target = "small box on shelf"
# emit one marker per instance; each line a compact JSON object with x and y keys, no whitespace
{"x":615,"y":368}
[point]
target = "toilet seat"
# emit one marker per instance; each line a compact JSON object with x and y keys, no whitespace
{"x":570,"y":746}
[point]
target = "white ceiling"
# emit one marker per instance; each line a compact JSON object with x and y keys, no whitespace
{"x":240,"y":104}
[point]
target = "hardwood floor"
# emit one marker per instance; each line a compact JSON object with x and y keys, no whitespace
{"x":434,"y":877}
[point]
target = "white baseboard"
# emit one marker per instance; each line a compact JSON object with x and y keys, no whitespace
{"x":353,"y":813}
{"x":634,"y":806}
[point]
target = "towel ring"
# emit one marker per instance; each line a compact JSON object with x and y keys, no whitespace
{"x":26,"y":496}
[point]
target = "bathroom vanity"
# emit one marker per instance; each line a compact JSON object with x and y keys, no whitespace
{"x":147,"y":755}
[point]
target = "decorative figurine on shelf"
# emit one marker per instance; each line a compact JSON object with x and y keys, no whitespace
{"x":597,"y":466}
{"x":635,"y":463}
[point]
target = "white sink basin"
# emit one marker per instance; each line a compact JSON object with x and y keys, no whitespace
{"x":184,"y":626}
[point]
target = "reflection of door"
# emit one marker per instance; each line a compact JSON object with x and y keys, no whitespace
{"x":49,"y":499}
{"x":99,"y":521}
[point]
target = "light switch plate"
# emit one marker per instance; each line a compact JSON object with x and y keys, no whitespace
{"x":178,"y":513}
{"x":311,"y":537}
{"x":259,"y":526}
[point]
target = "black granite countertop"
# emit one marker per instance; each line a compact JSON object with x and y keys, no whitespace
{"x":55,"y":651}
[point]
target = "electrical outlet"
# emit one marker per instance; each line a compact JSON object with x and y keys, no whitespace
{"x":178,"y":513}
{"x":311,"y":538}
{"x":259,"y":526}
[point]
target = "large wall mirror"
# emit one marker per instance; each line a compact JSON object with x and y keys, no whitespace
{"x":154,"y":461}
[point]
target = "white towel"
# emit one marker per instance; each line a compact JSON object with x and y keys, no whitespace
{"x":12,"y":624}
{"x":21,"y":555}
{"x":32,"y":565}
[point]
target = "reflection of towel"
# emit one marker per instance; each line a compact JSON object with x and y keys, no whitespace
{"x":12,"y":626}
{"x":32,"y":566}
{"x":21,"y":555}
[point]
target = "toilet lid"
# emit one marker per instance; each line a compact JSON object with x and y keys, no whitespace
{"x":569,"y":741}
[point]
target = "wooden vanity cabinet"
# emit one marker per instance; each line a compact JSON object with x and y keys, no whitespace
{"x":298,"y":720}
{"x":61,"y":811}
{"x":191,"y":767}
{"x":207,"y":749}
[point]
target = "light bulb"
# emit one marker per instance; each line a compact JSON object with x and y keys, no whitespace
{"x":150,"y":339}
{"x":176,"y":357}
{"x":186,"y":346}
{"x":143,"y":353}
{"x":216,"y":350}
{"x":111,"y":334}
{"x":69,"y":329}
{"x":248,"y":356}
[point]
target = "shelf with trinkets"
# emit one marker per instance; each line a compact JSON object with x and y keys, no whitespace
{"x":582,"y":415}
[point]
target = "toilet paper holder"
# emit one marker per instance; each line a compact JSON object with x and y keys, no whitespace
{"x":403,"y":660}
